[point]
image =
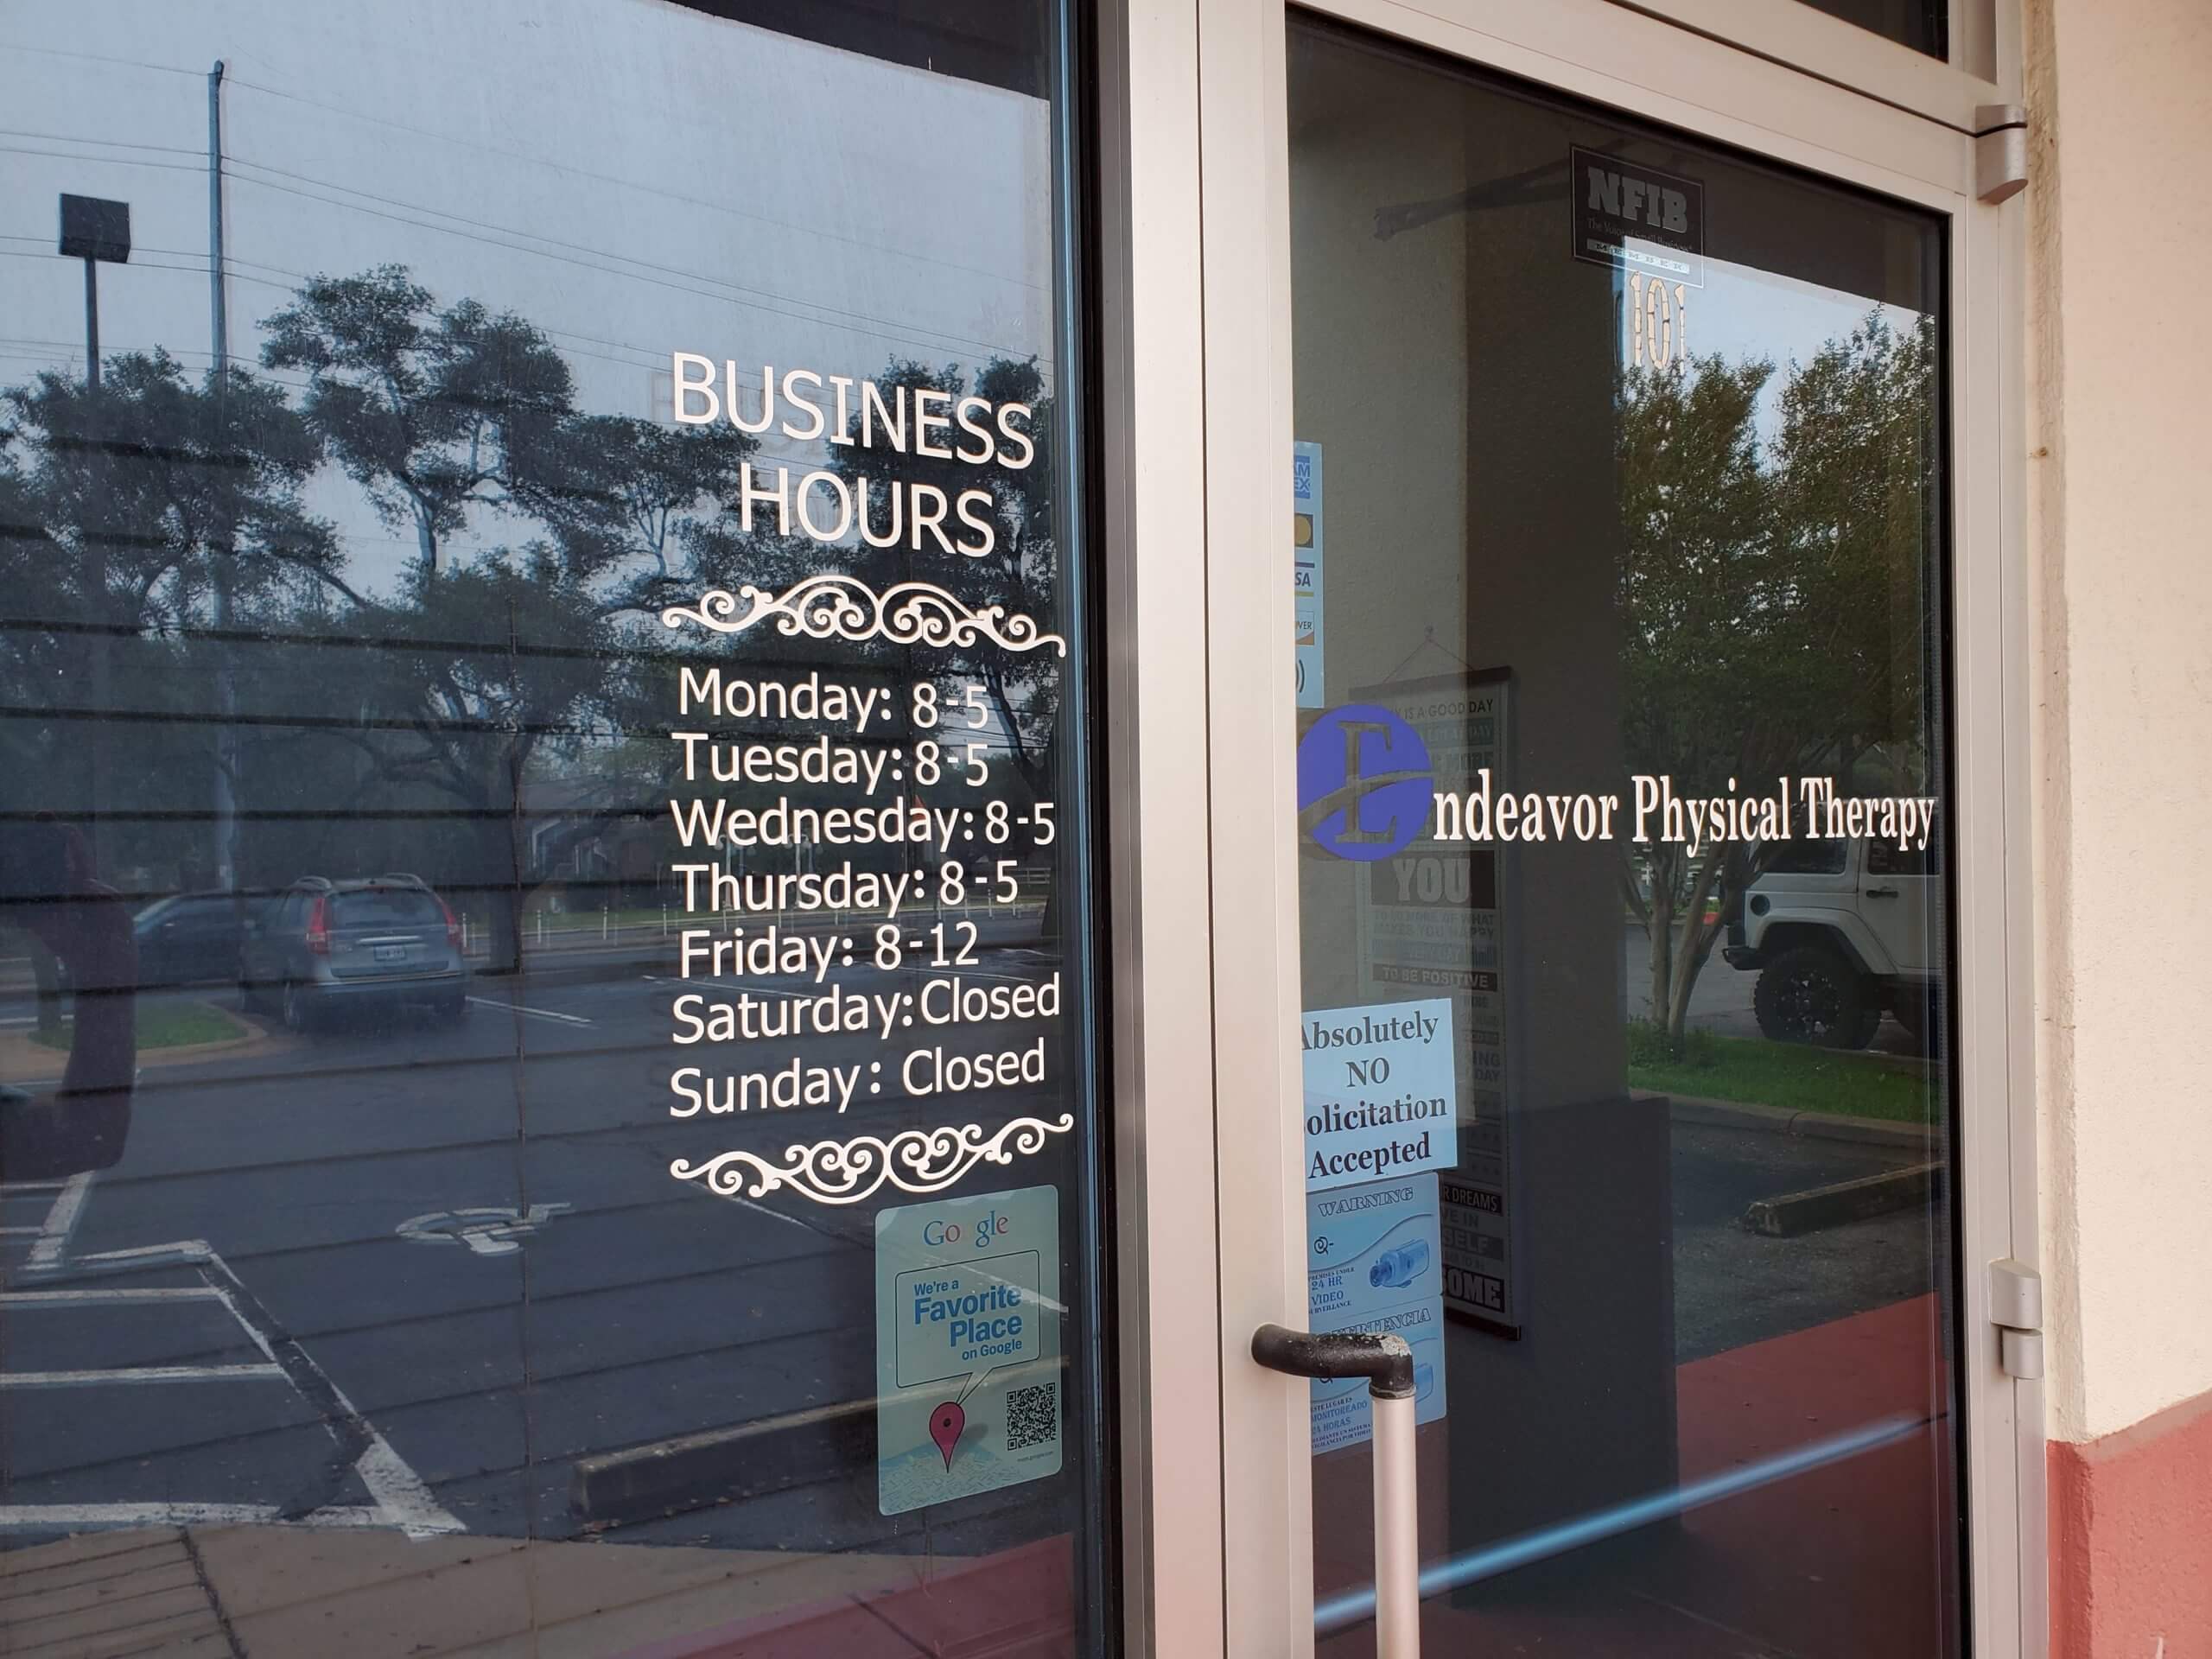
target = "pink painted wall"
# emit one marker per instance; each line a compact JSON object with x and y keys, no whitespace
{"x":2130,"y":1540}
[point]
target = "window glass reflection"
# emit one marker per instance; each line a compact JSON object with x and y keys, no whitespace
{"x":483,"y":1171}
{"x":1622,"y":762}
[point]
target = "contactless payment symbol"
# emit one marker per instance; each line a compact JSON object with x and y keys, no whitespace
{"x":1363,"y":783}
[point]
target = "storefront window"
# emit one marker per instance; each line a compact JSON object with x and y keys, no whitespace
{"x":543,"y":827}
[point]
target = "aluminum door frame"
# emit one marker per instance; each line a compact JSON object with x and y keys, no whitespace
{"x":1195,"y":354}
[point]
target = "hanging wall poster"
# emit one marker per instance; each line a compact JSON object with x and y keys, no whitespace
{"x":1433,"y":921}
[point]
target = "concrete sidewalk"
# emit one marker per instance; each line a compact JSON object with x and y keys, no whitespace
{"x":278,"y":1593}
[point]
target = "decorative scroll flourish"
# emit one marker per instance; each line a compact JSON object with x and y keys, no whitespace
{"x":831,"y":604}
{"x":845,"y":1172}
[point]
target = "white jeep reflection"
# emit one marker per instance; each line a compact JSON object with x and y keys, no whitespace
{"x":1838,"y":932}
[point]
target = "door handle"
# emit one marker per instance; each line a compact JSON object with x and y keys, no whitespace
{"x":1881,"y":893}
{"x":1386,"y":1362}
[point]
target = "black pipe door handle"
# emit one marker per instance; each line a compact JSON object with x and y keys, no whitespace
{"x":1385,"y":1361}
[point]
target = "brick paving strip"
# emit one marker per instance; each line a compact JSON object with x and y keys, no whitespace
{"x":280,"y":1592}
{"x":103,"y":1595}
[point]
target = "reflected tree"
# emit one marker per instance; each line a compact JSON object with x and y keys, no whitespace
{"x":432,"y":410}
{"x":128,"y":507}
{"x":523,"y":642}
{"x":458,"y":418}
{"x":483,"y":666}
{"x":639,"y":512}
{"x":1019,"y":573}
{"x":1773,"y":597}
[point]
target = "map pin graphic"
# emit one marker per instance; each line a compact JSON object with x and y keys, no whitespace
{"x":946,"y":1422}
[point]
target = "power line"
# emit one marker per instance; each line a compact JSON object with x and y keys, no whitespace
{"x":651,"y":360}
{"x":590,"y":258}
{"x":626,"y":184}
{"x":647,"y":356}
{"x":104,"y":160}
{"x":593,"y":255}
{"x":105,"y":143}
{"x":97,"y":57}
{"x":604,"y":271}
{"x":138,"y":264}
{"x":875,"y":249}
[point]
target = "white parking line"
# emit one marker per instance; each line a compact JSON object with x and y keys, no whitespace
{"x":61,"y":1222}
{"x":517,"y":1007}
{"x":402,"y":1500}
{"x":111,"y":1298}
{"x":184,"y":1253}
{"x":138,"y":1374}
{"x":88,"y":1517}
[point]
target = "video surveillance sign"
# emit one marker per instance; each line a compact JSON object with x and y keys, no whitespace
{"x":1374,"y":1262}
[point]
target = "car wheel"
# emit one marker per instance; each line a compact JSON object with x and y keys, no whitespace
{"x":1811,"y":994}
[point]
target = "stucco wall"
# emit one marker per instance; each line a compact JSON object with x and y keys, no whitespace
{"x":2121,"y":496}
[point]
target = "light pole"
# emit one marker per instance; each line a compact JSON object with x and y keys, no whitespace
{"x":95,"y":229}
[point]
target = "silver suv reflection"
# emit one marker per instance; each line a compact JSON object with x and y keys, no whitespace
{"x":382,"y":943}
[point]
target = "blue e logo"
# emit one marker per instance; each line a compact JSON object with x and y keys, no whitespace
{"x":1363,"y":783}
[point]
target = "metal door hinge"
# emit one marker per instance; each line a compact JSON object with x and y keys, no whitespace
{"x":2000,"y":151}
{"x":2016,"y":1309}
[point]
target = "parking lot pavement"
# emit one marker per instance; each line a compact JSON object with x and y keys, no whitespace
{"x":159,"y":1357}
{"x":1733,"y":1287}
{"x":409,"y":1274}
{"x":463,"y":1250}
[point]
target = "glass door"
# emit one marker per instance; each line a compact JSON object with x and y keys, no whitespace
{"x":1619,"y":540}
{"x":1621,"y":910}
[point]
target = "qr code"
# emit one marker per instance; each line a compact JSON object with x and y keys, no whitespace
{"x":1032,"y":1416}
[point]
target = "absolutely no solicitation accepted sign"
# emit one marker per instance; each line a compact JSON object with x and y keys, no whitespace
{"x":1378,"y":1091}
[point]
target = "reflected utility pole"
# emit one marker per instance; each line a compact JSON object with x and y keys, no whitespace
{"x":227,"y":689}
